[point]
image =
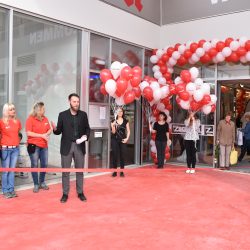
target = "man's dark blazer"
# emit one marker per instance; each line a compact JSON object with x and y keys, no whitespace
{"x":65,"y":126}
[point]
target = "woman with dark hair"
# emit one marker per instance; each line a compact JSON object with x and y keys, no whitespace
{"x":120,"y":134}
{"x":161,"y":129}
{"x":191,"y":137}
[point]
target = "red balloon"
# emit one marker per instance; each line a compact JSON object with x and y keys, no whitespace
{"x":135,"y":81}
{"x":165,"y":57}
{"x":129,"y":97}
{"x":206,"y":58}
{"x":165,"y":101}
{"x":169,"y":107}
{"x":180,"y":88}
{"x":167,"y":76}
{"x":164,"y":69}
{"x":247,"y":45}
{"x":172,"y":89}
{"x":182,"y":60}
{"x":170,"y":51}
{"x":161,"y":63}
{"x":155,"y":112}
{"x":187,"y":54}
{"x":241,"y":51}
{"x":213,"y":108}
{"x":148,"y":93}
{"x":126,"y":73}
{"x":118,"y":93}
{"x":185,"y":76}
{"x":154,"y":51}
{"x":103,"y":90}
{"x":201,"y":42}
{"x":193,"y":47}
{"x":212,"y":52}
{"x":137,"y":92}
{"x":153,"y":136}
{"x":121,"y":85}
{"x":167,"y":156}
{"x":177,"y":45}
{"x":167,"y":149}
{"x":105,"y":75}
{"x":184,"y":95}
{"x":228,"y":41}
{"x":206,"y":100}
{"x":194,"y":105}
{"x":233,"y":57}
{"x":147,"y":78}
{"x":220,"y":46}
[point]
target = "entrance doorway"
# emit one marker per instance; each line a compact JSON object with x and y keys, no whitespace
{"x":234,"y":96}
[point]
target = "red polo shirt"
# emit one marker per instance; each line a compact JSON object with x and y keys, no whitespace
{"x":9,"y":132}
{"x":33,"y":124}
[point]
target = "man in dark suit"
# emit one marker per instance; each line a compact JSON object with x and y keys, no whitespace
{"x":74,"y":126}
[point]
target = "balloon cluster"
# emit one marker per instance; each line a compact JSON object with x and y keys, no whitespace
{"x":230,"y":50}
{"x":121,"y":82}
{"x":240,"y":101}
{"x":192,"y":93}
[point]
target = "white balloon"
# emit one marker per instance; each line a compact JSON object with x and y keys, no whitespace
{"x":176,"y":55}
{"x":226,"y":52}
{"x":207,"y":46}
{"x":198,"y":95}
{"x":157,"y":94}
{"x":123,"y":65}
{"x":185,"y":104}
{"x":243,"y":59}
{"x":154,"y":85}
{"x":160,"y":106}
{"x":200,"y":52}
{"x":234,"y":45}
{"x":157,"y":74}
{"x":248,"y":56}
{"x":152,"y":119}
{"x":110,"y":86}
{"x":164,"y":91}
{"x":152,"y":143}
{"x":153,"y":149}
{"x":220,"y":57}
{"x":166,"y":112}
{"x":213,"y":99}
{"x":115,"y":69}
{"x":194,"y":73}
{"x":143,"y":85}
{"x":169,"y":142}
{"x":154,"y":59}
{"x":182,"y":48}
{"x":162,"y":80}
{"x":198,"y":81}
{"x":119,"y":101}
{"x":206,"y":109}
{"x":159,"y":53}
{"x":156,"y":68}
{"x":215,"y":60}
{"x":170,"y":70}
{"x":177,"y":80}
{"x":169,"y":119}
{"x":205,"y":88}
{"x":214,"y":42}
{"x":152,"y":103}
{"x":191,"y":61}
{"x":242,"y":41}
{"x":172,"y":61}
{"x":190,"y":88}
{"x":195,"y":58}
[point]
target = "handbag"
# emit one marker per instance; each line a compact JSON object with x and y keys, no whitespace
{"x":233,"y":156}
{"x":31,"y":148}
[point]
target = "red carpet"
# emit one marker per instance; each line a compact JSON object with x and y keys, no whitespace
{"x":158,"y":209}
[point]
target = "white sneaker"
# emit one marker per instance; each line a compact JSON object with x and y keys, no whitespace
{"x":188,"y":171}
{"x":192,"y":171}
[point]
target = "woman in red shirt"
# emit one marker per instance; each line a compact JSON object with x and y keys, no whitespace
{"x":10,"y":127}
{"x":38,"y":131}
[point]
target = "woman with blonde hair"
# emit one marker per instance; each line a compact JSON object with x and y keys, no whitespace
{"x":10,"y":128}
{"x":38,"y":130}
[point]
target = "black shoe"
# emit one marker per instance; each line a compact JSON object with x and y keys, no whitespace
{"x":64,"y":198}
{"x":122,"y":174}
{"x":114,"y":174}
{"x":82,"y":197}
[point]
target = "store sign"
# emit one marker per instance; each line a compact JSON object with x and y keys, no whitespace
{"x":146,"y":9}
{"x":180,"y":11}
{"x":204,"y":130}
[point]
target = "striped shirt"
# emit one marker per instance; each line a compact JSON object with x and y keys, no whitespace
{"x":192,"y":132}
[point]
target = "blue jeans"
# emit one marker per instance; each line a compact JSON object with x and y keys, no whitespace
{"x":9,"y":160}
{"x":42,"y":155}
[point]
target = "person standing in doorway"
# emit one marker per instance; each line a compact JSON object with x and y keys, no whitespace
{"x":226,"y":139}
{"x":191,"y":137}
{"x":161,"y":129}
{"x":120,"y":132}
{"x":10,"y":128}
{"x":74,"y":126}
{"x":38,"y":131}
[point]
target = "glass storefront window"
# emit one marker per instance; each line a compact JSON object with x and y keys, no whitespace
{"x":99,"y":59}
{"x":233,"y":71}
{"x":4,"y":56}
{"x":46,"y":67}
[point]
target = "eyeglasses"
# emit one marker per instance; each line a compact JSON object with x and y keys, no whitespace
{"x":12,"y":109}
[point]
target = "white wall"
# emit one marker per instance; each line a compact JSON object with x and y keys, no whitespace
{"x":220,"y":27}
{"x":97,"y":16}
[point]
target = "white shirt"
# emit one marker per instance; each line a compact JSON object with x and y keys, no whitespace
{"x":192,"y":132}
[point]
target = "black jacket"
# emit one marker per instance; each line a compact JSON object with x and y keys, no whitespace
{"x":65,"y":127}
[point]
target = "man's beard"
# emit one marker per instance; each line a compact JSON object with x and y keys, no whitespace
{"x":74,"y":108}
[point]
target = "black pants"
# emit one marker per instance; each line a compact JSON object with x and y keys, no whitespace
{"x":118,"y":149}
{"x":191,"y":153}
{"x":245,"y":148}
{"x":161,"y":147}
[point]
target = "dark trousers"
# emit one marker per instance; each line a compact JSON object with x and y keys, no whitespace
{"x":160,"y":147}
{"x":191,"y":153}
{"x":245,"y":148}
{"x":118,"y":149}
{"x":78,"y":156}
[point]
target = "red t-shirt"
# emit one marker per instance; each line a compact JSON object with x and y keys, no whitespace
{"x":33,"y":124}
{"x":9,"y":132}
